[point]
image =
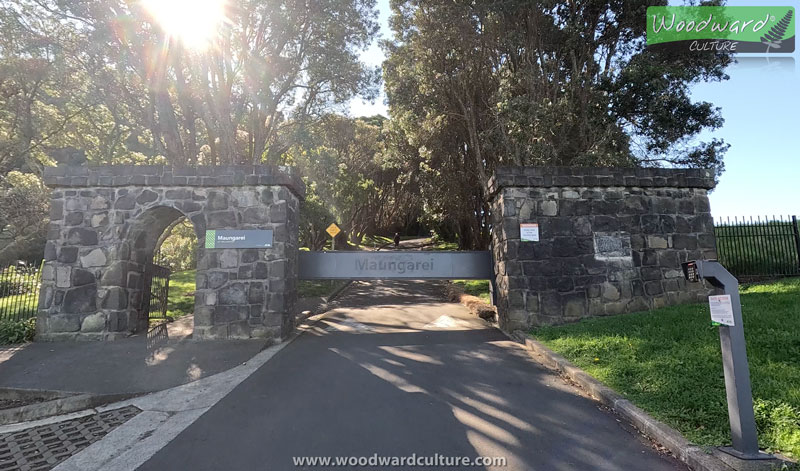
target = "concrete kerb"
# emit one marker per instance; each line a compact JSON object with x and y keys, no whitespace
{"x":338,"y":291}
{"x":694,"y":456}
{"x":164,"y":415}
{"x":59,"y":403}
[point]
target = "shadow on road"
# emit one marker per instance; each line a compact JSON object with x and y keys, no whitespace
{"x":386,"y":375}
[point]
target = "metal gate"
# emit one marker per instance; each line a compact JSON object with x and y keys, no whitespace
{"x":156,"y":291}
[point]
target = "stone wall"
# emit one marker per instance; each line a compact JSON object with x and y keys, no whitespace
{"x":105,"y":224}
{"x":611,"y":241}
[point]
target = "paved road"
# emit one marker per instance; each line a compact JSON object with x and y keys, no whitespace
{"x":396,"y":371}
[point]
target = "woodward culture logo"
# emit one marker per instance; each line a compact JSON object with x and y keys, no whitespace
{"x":717,"y":29}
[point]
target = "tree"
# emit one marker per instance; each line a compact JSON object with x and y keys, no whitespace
{"x":176,"y":248}
{"x":135,"y":92}
{"x":478,"y":84}
{"x":349,"y":175}
{"x":24,"y":205}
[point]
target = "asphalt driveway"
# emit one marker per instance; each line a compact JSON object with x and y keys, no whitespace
{"x":397,"y":372}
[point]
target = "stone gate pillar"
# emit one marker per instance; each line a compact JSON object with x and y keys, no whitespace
{"x":610,"y":241}
{"x":105,"y":223}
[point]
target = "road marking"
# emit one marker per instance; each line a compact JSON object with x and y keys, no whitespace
{"x":447,"y":322}
{"x":347,"y":325}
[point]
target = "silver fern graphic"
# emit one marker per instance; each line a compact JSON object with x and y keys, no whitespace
{"x":774,"y":36}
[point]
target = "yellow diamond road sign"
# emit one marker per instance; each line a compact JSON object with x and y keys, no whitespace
{"x":333,"y":229}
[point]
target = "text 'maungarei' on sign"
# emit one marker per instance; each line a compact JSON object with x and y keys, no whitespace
{"x":529,"y":232}
{"x":721,"y":309}
{"x":415,"y":265}
{"x":238,"y":239}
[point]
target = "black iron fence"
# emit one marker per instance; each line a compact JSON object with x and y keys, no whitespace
{"x":759,"y":248}
{"x":19,"y":291}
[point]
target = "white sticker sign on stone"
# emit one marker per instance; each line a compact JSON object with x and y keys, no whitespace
{"x":721,"y":309}
{"x":529,"y":232}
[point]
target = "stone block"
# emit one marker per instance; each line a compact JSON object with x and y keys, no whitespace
{"x":653,"y":288}
{"x":99,"y":220}
{"x":74,"y":218}
{"x":116,"y":274}
{"x":147,"y":196}
{"x":548,"y":208}
{"x":239,"y":330}
{"x":610,"y":292}
{"x":278,"y":269}
{"x":684,"y":242}
{"x":221,"y":220}
{"x":651,"y":273}
{"x":217,"y":200}
{"x":203,"y":315}
{"x":216,"y":279}
{"x":256,"y":293}
{"x":82,"y":277}
{"x":46,"y":294}
{"x":80,"y":300}
{"x":114,"y":298}
{"x":63,"y":276}
{"x":95,"y":258}
{"x":226,"y":314}
{"x":82,"y":236}
{"x":235,"y":293}
{"x":125,"y":202}
{"x":575,"y":305}
{"x":67,"y":254}
{"x":94,"y":323}
{"x":657,"y":242}
{"x":229,"y":258}
{"x":63,"y":323}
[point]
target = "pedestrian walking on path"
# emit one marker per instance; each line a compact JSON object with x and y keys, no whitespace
{"x":396,"y":239}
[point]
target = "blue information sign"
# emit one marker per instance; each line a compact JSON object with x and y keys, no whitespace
{"x":238,"y":239}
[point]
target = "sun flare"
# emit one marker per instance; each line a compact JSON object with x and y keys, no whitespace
{"x":194,"y":22}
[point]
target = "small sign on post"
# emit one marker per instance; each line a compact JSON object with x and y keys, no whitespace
{"x":721,"y":309}
{"x":529,"y":232}
{"x":726,"y":311}
{"x":333,"y":230}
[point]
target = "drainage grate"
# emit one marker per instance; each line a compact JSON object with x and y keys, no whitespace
{"x":42,"y":448}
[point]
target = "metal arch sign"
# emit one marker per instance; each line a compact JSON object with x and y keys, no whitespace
{"x":395,"y":265}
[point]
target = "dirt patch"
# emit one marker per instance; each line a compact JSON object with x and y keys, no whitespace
{"x":481,"y":309}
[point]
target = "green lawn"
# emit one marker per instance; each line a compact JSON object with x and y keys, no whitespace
{"x":181,"y":294}
{"x":442,"y":245}
{"x":668,"y":362}
{"x":478,"y":288}
{"x":314,"y":288}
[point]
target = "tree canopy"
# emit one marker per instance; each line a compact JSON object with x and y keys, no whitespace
{"x":478,"y":84}
{"x":471,"y":85}
{"x":107,"y":79}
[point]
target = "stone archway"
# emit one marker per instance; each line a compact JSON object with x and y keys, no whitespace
{"x":105,"y":224}
{"x":135,"y":250}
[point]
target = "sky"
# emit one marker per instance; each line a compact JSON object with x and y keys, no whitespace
{"x":761,"y":107}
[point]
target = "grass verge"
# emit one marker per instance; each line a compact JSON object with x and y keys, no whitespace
{"x":477,"y":288}
{"x":668,"y":362}
{"x":315,"y":288}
